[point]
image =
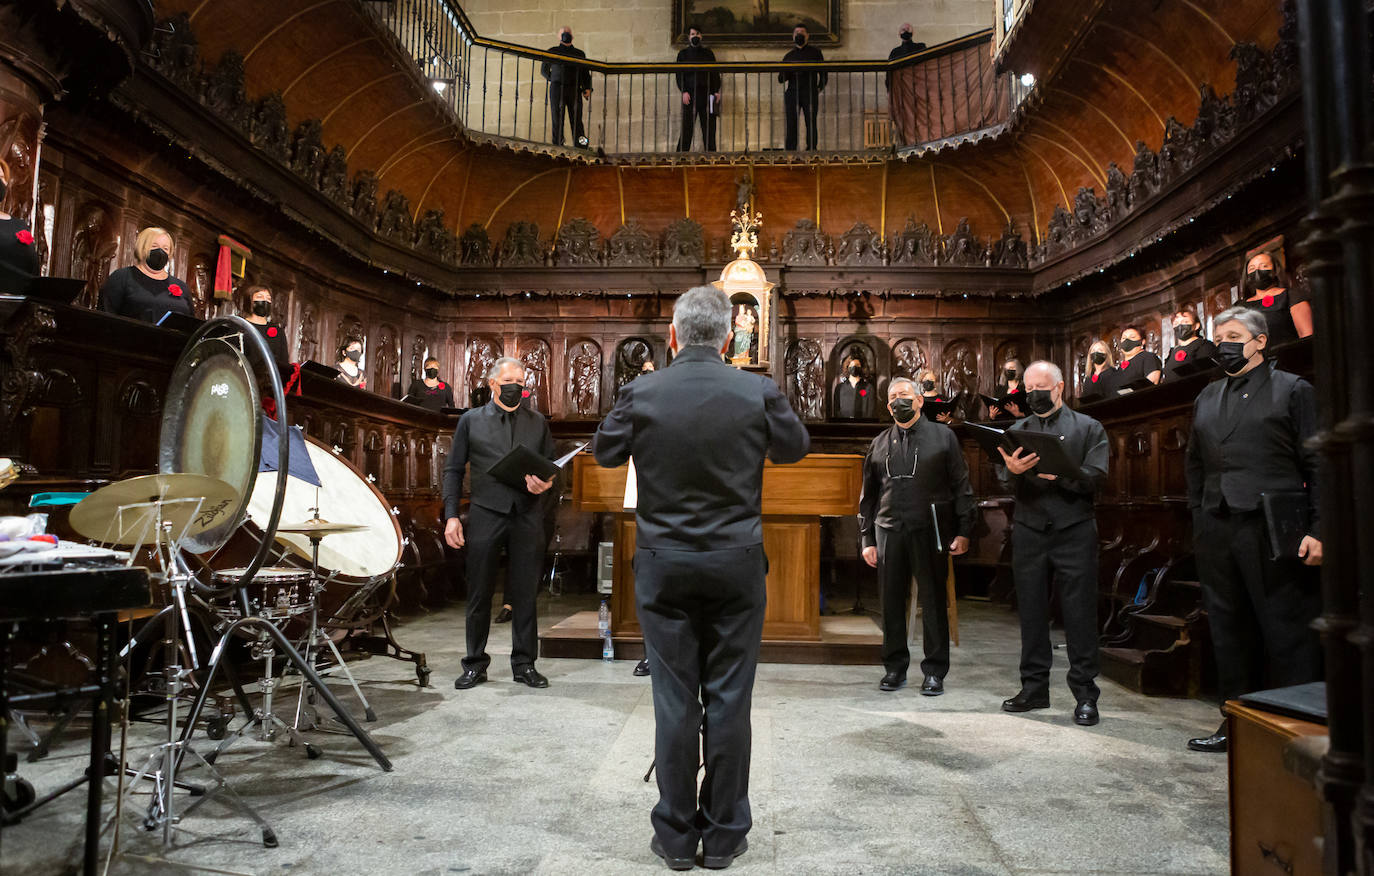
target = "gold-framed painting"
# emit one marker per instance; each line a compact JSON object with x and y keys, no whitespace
{"x":757,"y":22}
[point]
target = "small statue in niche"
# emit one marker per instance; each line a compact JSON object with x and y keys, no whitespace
{"x":536,"y":360}
{"x":746,"y":329}
{"x":584,"y":379}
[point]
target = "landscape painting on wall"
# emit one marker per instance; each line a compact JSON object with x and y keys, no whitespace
{"x":757,"y":22}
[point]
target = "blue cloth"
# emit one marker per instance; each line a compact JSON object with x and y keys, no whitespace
{"x":44,"y":500}
{"x":298,"y":459}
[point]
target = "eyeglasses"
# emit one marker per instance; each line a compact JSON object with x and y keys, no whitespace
{"x":887,"y":463}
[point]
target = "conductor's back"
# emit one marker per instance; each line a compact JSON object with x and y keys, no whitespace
{"x":699,"y":432}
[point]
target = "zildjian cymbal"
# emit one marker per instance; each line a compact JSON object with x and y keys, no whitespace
{"x":318,"y":527}
{"x":107,"y":517}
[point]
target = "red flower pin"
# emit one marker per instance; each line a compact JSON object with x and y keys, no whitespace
{"x":1095,"y":376}
{"x":1125,"y":365}
{"x":525,"y":394}
{"x":863,"y":392}
{"x":272,"y":332}
{"x":441,"y":384}
{"x":175,"y":290}
{"x":24,"y":236}
{"x":1180,"y":355}
{"x":1267,"y":301}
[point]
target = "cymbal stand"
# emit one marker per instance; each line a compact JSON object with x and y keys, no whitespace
{"x":264,"y":719}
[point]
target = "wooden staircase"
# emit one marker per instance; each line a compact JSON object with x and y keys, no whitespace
{"x":1158,"y":645}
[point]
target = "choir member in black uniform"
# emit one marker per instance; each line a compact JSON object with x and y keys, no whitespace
{"x":429,"y":391}
{"x":700,"y":567}
{"x":350,"y":363}
{"x":905,"y":46}
{"x":1011,"y":389}
{"x":803,"y":89}
{"x":1286,"y":311}
{"x":499,"y":516}
{"x":642,"y":667}
{"x":569,"y":83}
{"x":1054,"y":539}
{"x":1136,"y":361}
{"x":698,"y":88}
{"x":259,"y":299}
{"x":1250,"y":434}
{"x":916,"y":508}
{"x":146,"y":290}
{"x":1192,"y":347}
{"x":18,"y":253}
{"x":930,"y":392}
{"x":854,"y":398}
{"x":1099,"y":381}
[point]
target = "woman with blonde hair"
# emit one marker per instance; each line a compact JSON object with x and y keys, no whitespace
{"x":1098,"y":373}
{"x":18,"y":252}
{"x":928,"y":383}
{"x":146,"y":290}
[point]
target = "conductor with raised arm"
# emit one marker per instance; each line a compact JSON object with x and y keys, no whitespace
{"x":699,"y":567}
{"x":499,"y":516}
{"x":1054,"y":539}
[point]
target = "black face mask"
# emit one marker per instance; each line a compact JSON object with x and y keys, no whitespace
{"x":855,"y":370}
{"x":511,"y":393}
{"x":566,"y":39}
{"x":927,"y":386}
{"x":262,"y":308}
{"x":1129,"y":344}
{"x":1041,"y":401}
{"x":355,"y":355}
{"x":696,"y":42}
{"x":903,"y":410}
{"x":906,"y":36}
{"x":1264,"y":278}
{"x":1184,"y":332}
{"x":799,"y":39}
{"x":1010,"y":374}
{"x":432,"y":373}
{"x":157,"y":259}
{"x":1231,"y":356}
{"x":1097,"y":357}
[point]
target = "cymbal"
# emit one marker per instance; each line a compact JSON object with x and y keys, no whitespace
{"x":319,"y":527}
{"x":99,"y":515}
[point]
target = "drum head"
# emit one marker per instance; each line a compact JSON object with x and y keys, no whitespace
{"x":211,"y":426}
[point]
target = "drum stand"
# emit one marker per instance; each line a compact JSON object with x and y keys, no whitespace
{"x":317,"y":636}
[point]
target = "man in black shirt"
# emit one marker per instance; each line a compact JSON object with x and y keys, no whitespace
{"x":1249,"y":438}
{"x":1055,"y":538}
{"x":803,"y":89}
{"x":569,"y":83}
{"x":699,"y":568}
{"x":915,"y":506}
{"x":499,"y":516}
{"x":1137,"y":363}
{"x":905,"y":46}
{"x":853,"y":396}
{"x":700,"y":90}
{"x":1192,"y":347}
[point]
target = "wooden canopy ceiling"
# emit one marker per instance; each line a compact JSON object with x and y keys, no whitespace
{"x":1112,"y":72}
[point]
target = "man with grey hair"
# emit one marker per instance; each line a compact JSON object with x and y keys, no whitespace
{"x":499,"y":516}
{"x":1054,"y":538}
{"x":699,"y":567}
{"x":915,"y":510}
{"x":1248,"y":446}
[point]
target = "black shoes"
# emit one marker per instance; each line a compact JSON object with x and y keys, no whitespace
{"x":531,"y":677}
{"x":503,"y":616}
{"x":1024,"y":702}
{"x":642,"y":667}
{"x":720,"y":862}
{"x":892,"y":681}
{"x":673,"y":863}
{"x":932,"y":686}
{"x":1214,"y":744}
{"x":1086,"y":714}
{"x":470,"y":679}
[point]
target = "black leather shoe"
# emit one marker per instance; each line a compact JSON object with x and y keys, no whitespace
{"x":530,"y":676}
{"x":1086,"y":714}
{"x":470,"y":678}
{"x":1024,"y":702}
{"x":503,"y":616}
{"x":1215,"y":744}
{"x":642,"y":668}
{"x":673,"y":863}
{"x":720,"y":862}
{"x":932,"y":687}
{"x":892,"y":681}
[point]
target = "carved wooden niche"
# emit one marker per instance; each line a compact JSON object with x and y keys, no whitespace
{"x":908,"y":359}
{"x":416,"y":369}
{"x":847,"y":349}
{"x":805,"y":374}
{"x":630,"y":356}
{"x":307,"y":332}
{"x":1081,"y":345}
{"x":1007,"y":349}
{"x":482,"y":353}
{"x":93,"y":246}
{"x":959,"y":374}
{"x":584,"y":379}
{"x":387,"y":361}
{"x":349,"y":329}
{"x":535,"y":355}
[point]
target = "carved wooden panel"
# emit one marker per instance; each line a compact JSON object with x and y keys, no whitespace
{"x":630,"y":356}
{"x":805,"y":374}
{"x":584,"y":379}
{"x":536,"y":356}
{"x":482,"y":353}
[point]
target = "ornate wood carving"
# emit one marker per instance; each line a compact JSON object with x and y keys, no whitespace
{"x":139,"y":397}
{"x":630,"y":356}
{"x":962,"y":248}
{"x":536,"y":356}
{"x":913,"y":245}
{"x":386,"y":359}
{"x":584,"y":379}
{"x":522,"y":248}
{"x":482,"y":353}
{"x":417,"y":358}
{"x":683,"y":244}
{"x":805,"y":371}
{"x":579,"y":243}
{"x":307,"y":333}
{"x":861,"y":245}
{"x":959,"y":369}
{"x":395,"y":221}
{"x":631,"y":245}
{"x":475,"y":245}
{"x":270,"y":133}
{"x":224,"y":93}
{"x":433,"y":237}
{"x":22,"y":383}
{"x":93,"y":247}
{"x":909,"y":359}
{"x":334,"y":176}
{"x":805,"y":244}
{"x":365,"y":197}
{"x":307,"y":153}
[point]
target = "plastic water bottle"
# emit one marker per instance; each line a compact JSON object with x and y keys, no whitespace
{"x":603,"y":618}
{"x":607,"y":648}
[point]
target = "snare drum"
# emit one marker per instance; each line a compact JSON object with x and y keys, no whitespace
{"x":276,"y":593}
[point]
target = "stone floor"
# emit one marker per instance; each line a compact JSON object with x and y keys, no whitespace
{"x":503,"y":779}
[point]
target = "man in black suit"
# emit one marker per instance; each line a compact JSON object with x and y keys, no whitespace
{"x":699,"y":89}
{"x":569,"y":83}
{"x":1249,"y":438}
{"x":803,"y":89}
{"x":699,"y":567}
{"x":915,"y":506}
{"x":499,"y":515}
{"x":1054,"y":538}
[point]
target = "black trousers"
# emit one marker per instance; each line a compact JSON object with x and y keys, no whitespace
{"x":522,"y":535}
{"x":565,"y":100}
{"x":1068,"y":557}
{"x":698,"y":112}
{"x":1260,"y":611}
{"x":808,"y":105}
{"x":902,"y":555}
{"x":702,"y":614}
